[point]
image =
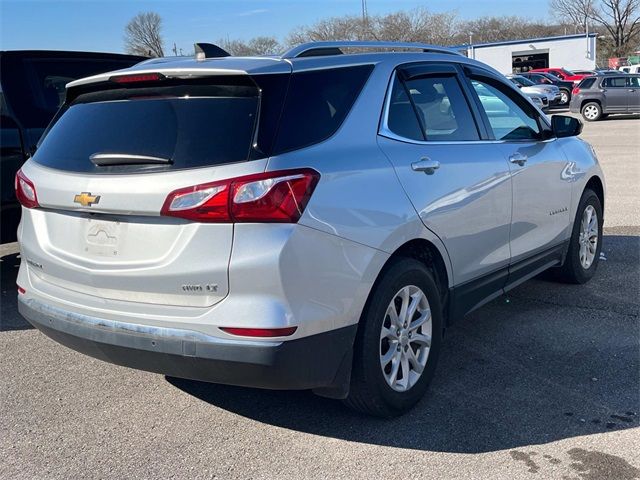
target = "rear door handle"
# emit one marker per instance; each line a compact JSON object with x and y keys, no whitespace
{"x":425,"y":165}
{"x":518,"y":158}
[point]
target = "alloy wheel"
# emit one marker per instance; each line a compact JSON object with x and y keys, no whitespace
{"x":588,"y":238}
{"x":591,"y":112}
{"x":405,"y":338}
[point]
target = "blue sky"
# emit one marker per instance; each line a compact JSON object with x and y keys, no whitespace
{"x":95,"y":25}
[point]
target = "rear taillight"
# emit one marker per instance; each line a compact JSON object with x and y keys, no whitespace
{"x":260,"y":332}
{"x":21,"y":290}
{"x":266,"y":197}
{"x":26,"y":191}
{"x":575,"y":91}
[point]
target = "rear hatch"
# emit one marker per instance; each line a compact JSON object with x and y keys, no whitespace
{"x":106,"y":167}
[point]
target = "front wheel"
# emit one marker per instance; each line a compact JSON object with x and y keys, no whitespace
{"x":591,"y":111}
{"x":586,"y":241}
{"x":565,"y":97}
{"x":398,"y":341}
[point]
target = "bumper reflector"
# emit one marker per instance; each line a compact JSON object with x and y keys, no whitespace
{"x":260,"y":332}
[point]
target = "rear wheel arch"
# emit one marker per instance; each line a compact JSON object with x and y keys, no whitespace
{"x":590,"y":100}
{"x":426,"y":253}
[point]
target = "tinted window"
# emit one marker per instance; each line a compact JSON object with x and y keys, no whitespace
{"x":192,"y":126}
{"x":402,"y":119}
{"x":508,"y":119}
{"x":442,"y":110}
{"x":587,"y":82}
{"x":615,"y":82}
{"x":316,"y":105}
{"x":35,"y":88}
{"x":634,"y":82}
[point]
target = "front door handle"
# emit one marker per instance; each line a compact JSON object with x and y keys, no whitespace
{"x":426,"y":165}
{"x":518,"y":158}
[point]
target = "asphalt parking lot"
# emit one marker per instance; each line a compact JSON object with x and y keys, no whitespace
{"x":542,"y":383}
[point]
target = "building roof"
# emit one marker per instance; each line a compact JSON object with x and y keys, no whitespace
{"x":527,"y":40}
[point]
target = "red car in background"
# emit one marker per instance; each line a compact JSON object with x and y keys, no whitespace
{"x":562,"y":73}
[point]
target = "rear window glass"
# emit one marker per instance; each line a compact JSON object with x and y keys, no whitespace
{"x":587,"y":82}
{"x":317,"y":103}
{"x":189,"y":126}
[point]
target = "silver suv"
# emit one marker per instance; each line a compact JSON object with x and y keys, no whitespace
{"x":309,"y":221}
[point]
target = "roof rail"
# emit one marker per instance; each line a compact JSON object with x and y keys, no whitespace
{"x":209,"y":50}
{"x":333,"y":48}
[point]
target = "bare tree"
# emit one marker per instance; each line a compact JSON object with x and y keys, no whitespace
{"x":619,"y":20}
{"x":255,"y":46}
{"x":576,"y":13}
{"x":142,"y":35}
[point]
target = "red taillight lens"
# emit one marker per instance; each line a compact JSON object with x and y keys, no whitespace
{"x":25,"y":191}
{"x":575,"y":91}
{"x":260,"y":332}
{"x":138,"y":77}
{"x":266,"y":197}
{"x":21,"y":290}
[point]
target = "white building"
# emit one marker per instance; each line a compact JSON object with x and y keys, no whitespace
{"x":577,"y":52}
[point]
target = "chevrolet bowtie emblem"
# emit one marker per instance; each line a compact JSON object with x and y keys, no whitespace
{"x":86,"y":199}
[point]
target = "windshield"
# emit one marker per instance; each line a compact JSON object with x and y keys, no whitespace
{"x":523,"y":82}
{"x":568,"y":73}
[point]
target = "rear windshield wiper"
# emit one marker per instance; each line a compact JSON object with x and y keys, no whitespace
{"x":108,"y":159}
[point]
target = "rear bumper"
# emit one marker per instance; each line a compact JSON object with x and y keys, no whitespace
{"x":311,"y":362}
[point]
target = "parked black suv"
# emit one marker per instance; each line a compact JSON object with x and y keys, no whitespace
{"x":32,"y":87}
{"x":542,"y":78}
{"x":598,"y":96}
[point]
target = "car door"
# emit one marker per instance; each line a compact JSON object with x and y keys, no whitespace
{"x":458,"y":182}
{"x":633,"y":95}
{"x":616,"y":93}
{"x":541,"y":175}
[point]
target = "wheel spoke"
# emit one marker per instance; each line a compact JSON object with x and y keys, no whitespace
{"x":404,"y":381}
{"x":387,"y":357}
{"x":389,"y":333}
{"x":421,"y":339}
{"x":421,"y":320}
{"x":393,"y":314}
{"x":402,"y":316}
{"x":395,"y":366}
{"x":413,"y":360}
{"x":416,"y":298}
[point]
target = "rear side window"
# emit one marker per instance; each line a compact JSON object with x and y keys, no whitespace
{"x":35,"y":87}
{"x":437,"y":110}
{"x":316,"y":105}
{"x":615,"y":82}
{"x":587,"y":82}
{"x":189,"y":126}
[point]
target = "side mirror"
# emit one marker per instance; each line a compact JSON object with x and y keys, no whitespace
{"x":565,"y":126}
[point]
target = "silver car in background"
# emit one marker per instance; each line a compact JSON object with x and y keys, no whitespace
{"x":314,"y":220}
{"x":551,"y":92}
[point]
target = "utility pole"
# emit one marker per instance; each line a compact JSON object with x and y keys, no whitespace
{"x":175,"y":49}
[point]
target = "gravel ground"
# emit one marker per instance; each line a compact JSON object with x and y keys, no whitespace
{"x":542,"y":383}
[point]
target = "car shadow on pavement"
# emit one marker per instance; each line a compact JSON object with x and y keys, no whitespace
{"x":547,"y":361}
{"x":9,"y":317}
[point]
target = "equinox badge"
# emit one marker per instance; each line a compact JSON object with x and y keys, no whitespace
{"x":86,"y":199}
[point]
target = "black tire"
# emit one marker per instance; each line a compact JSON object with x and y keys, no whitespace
{"x":370,"y":393}
{"x":568,"y":96}
{"x":591,"y":107}
{"x":572,"y":271}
